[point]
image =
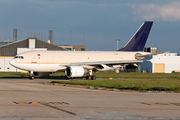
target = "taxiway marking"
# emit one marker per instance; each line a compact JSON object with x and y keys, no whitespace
{"x":63,"y":103}
{"x":177,"y":104}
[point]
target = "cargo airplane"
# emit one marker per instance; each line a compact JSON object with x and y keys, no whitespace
{"x":80,"y":63}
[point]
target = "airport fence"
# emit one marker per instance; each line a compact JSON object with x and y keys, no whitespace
{"x":124,"y":70}
{"x":129,"y":70}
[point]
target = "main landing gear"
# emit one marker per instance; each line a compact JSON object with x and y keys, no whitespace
{"x":90,"y":76}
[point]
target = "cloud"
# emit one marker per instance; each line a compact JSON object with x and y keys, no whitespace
{"x":167,"y":12}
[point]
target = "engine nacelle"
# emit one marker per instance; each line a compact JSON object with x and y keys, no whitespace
{"x":75,"y":71}
{"x":40,"y":74}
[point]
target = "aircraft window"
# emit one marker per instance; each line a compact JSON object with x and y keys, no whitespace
{"x":21,"y":57}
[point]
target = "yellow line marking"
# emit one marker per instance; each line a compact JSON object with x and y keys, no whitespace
{"x":177,"y":104}
{"x":6,"y":57}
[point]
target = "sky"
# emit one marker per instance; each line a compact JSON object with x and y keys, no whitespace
{"x":93,"y":23}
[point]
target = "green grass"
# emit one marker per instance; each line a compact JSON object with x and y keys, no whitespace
{"x":132,"y":81}
{"x":130,"y":84}
{"x":57,"y":75}
{"x":138,"y":75}
{"x":13,"y":75}
{"x":122,"y":81}
{"x":103,"y":75}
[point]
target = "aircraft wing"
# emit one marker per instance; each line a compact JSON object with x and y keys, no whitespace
{"x":103,"y":62}
{"x":102,"y":65}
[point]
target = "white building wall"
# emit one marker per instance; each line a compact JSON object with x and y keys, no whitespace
{"x":169,"y":68}
{"x":32,"y":43}
{"x":5,"y":66}
{"x":2,"y":64}
{"x":170,"y":60}
{"x":171,"y":63}
{"x":20,"y":50}
{"x":8,"y":67}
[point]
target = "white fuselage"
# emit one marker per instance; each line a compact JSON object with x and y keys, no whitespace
{"x":52,"y":61}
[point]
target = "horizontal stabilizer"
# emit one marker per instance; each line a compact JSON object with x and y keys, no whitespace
{"x":139,"y":56}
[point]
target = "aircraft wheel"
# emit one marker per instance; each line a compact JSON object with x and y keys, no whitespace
{"x":93,"y":77}
{"x":88,"y":77}
{"x":31,"y":77}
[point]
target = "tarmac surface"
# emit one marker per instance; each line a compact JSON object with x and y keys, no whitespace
{"x":24,"y":99}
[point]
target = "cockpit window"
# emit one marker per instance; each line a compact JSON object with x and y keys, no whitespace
{"x":21,"y":57}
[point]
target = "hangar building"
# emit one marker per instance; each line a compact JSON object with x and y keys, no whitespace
{"x":8,"y":51}
{"x":161,"y":63}
{"x":74,"y":47}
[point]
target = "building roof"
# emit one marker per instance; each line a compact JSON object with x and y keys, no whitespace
{"x":11,"y":48}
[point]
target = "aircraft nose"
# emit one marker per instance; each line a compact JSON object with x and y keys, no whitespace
{"x":12,"y":62}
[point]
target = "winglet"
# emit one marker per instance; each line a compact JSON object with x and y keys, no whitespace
{"x":138,"y":41}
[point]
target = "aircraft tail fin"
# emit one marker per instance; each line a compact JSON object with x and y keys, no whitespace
{"x":138,"y":41}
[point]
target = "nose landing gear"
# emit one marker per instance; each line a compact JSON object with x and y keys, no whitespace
{"x":31,"y":76}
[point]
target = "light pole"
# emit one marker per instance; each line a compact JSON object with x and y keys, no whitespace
{"x":117,"y":42}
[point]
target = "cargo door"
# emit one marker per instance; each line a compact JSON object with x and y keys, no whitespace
{"x":158,"y":68}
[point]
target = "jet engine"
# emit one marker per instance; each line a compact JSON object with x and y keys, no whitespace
{"x":40,"y":74}
{"x":75,"y":71}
